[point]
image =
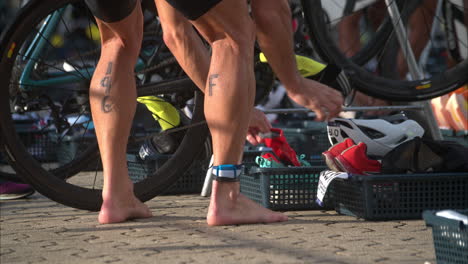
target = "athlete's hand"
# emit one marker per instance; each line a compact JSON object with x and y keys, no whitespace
{"x":258,"y":124}
{"x":326,"y":102}
{"x":366,"y":100}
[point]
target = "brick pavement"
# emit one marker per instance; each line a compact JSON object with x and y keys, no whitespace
{"x":38,"y":230}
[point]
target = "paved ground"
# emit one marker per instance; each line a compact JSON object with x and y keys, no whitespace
{"x":38,"y":230}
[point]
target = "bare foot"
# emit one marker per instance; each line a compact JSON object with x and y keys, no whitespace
{"x":115,"y":211}
{"x":235,"y":208}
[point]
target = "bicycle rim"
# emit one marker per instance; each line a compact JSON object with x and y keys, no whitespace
{"x":378,"y":84}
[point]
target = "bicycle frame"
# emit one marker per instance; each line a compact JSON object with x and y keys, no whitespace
{"x":427,"y":117}
{"x":37,"y":47}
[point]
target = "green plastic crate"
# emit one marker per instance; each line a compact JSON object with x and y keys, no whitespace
{"x":457,"y":136}
{"x":307,"y":137}
{"x":450,"y":238}
{"x":403,"y":196}
{"x":190,"y":182}
{"x":68,"y":147}
{"x":291,"y":188}
{"x":249,"y":157}
{"x":37,"y":141}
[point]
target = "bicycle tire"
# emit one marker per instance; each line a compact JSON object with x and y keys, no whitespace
{"x":55,"y":186}
{"x":377,"y":86}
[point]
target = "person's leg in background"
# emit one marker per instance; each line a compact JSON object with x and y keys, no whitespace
{"x":349,"y":42}
{"x":275,"y":36}
{"x":113,"y":103}
{"x":419,"y":33}
{"x":349,"y":34}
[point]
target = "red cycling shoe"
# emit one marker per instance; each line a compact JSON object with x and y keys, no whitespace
{"x":277,"y":142}
{"x":270,"y":156}
{"x":334,"y":151}
{"x":354,"y":160}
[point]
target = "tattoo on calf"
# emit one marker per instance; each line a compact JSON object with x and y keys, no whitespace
{"x":106,"y":102}
{"x":211,"y":83}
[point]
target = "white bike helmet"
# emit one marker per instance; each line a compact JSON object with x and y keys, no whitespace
{"x":379,"y":135}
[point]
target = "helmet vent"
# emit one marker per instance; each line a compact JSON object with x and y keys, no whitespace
{"x":343,"y":134}
{"x":334,"y":141}
{"x":402,"y":139}
{"x":372,"y":133}
{"x":344,"y":124}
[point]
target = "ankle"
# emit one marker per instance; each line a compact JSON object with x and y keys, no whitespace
{"x":224,"y":195}
{"x":116,"y":191}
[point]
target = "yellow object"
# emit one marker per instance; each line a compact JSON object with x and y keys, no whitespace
{"x":10,"y":51}
{"x":57,"y":41}
{"x":166,"y":114}
{"x":92,"y":32}
{"x":306,"y":66}
{"x":424,"y":86}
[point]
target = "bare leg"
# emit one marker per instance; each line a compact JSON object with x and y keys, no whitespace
{"x":113,"y":103}
{"x":349,"y":34}
{"x":193,"y":56}
{"x":184,"y":43}
{"x":350,"y":44}
{"x":277,"y":44}
{"x":229,"y":96}
{"x":419,"y":33}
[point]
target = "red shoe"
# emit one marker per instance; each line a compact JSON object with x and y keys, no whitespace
{"x":334,"y":151}
{"x":270,"y":156}
{"x":354,"y":160}
{"x":277,"y":142}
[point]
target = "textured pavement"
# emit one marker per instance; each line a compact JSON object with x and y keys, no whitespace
{"x":37,"y":230}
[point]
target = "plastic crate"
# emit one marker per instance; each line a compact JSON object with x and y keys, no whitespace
{"x":307,"y":137}
{"x":68,"y":147}
{"x":190,"y":182}
{"x":450,"y":238}
{"x":39,"y":144}
{"x":37,"y":141}
{"x":249,"y":157}
{"x":394,"y":197}
{"x":291,"y":188}
{"x":457,"y":136}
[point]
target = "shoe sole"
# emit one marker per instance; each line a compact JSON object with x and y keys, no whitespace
{"x":344,"y":165}
{"x":330,"y":161}
{"x":14,"y":196}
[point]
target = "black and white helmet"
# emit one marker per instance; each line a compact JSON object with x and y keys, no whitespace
{"x":380,"y":135}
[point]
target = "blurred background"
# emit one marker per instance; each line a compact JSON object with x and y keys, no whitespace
{"x":8,"y":8}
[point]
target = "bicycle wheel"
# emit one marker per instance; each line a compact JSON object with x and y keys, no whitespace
{"x":369,"y":82}
{"x":48,"y":55}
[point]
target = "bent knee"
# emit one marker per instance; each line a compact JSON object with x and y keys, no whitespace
{"x":124,"y":39}
{"x":127,"y":46}
{"x":240,"y":40}
{"x":176,"y":34}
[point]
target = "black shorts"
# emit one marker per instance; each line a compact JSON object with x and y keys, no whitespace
{"x":193,"y":9}
{"x":111,"y":10}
